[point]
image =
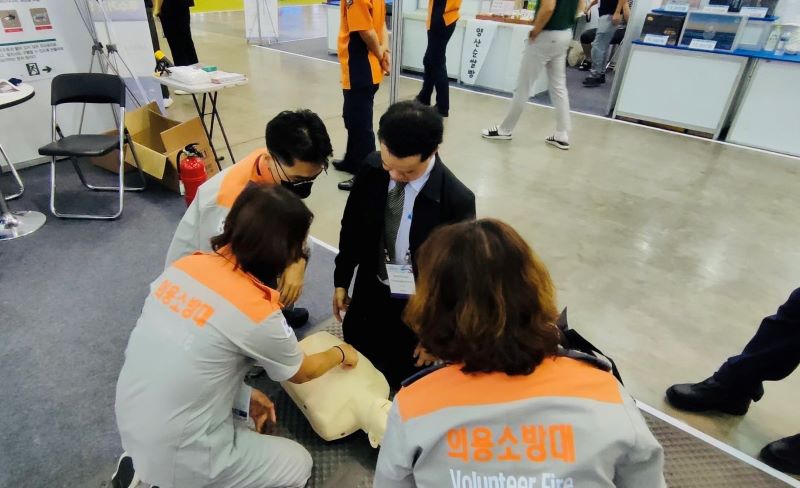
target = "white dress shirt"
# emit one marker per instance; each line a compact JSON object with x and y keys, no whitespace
{"x":401,"y":244}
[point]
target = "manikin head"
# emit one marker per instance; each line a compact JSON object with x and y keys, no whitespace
{"x":410,"y":134}
{"x":299,"y":146}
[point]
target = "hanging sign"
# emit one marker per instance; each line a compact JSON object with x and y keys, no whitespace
{"x":477,"y":42}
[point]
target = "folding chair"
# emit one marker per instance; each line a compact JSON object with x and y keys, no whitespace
{"x":95,"y":88}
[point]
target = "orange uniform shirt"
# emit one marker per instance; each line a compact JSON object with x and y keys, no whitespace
{"x":360,"y":67}
{"x":448,"y":9}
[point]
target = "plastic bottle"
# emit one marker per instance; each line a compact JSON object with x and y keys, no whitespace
{"x":772,"y":40}
{"x":781,"y":49}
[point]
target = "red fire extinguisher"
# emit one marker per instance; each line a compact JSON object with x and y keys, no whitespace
{"x":191,"y":171}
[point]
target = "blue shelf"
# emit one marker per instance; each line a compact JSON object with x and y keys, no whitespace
{"x":683,"y":14}
{"x":744,"y":53}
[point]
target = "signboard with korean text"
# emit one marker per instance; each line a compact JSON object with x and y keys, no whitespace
{"x":477,"y":42}
{"x":31,"y":47}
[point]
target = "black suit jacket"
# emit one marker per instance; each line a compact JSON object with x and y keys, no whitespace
{"x":443,"y":200}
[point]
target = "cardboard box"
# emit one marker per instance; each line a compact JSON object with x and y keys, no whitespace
{"x":157,"y":141}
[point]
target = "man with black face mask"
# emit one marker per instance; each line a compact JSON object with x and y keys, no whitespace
{"x":298,"y":150}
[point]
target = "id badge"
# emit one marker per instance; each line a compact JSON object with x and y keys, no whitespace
{"x":241,"y":404}
{"x":401,"y":280}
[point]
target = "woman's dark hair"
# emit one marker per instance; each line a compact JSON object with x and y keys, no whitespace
{"x":299,"y":135}
{"x":484,"y":299}
{"x":266,"y":230}
{"x":410,"y":128}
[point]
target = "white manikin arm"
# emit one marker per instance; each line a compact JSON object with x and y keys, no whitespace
{"x":341,"y":401}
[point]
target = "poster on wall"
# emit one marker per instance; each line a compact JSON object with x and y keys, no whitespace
{"x":477,"y":42}
{"x":261,"y":21}
{"x":31,"y":47}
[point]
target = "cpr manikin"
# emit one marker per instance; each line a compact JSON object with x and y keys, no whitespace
{"x":343,"y":401}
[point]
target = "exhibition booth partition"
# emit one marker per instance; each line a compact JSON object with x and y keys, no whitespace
{"x":721,"y":69}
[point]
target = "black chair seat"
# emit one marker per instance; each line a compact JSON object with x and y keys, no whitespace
{"x":85,"y":145}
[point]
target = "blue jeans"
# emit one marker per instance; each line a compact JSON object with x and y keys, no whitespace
{"x":771,"y":355}
{"x":602,"y":41}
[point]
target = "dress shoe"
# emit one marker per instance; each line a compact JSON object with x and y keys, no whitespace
{"x":341,"y":165}
{"x":783,"y":454}
{"x":444,"y":112}
{"x":346,"y":185}
{"x":708,"y":395}
{"x":296,"y":317}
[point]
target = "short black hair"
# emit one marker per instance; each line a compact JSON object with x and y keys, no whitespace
{"x":410,"y":128}
{"x":299,"y":135}
{"x":266,"y":230}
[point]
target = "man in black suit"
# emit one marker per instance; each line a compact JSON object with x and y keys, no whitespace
{"x":399,"y":197}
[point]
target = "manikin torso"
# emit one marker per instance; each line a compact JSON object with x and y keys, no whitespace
{"x":342,"y":401}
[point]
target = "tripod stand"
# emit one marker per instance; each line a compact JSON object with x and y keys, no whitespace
{"x":108,"y":56}
{"x":262,"y":5}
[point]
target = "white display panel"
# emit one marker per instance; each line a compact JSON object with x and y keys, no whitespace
{"x":689,"y":89}
{"x":768,"y":114}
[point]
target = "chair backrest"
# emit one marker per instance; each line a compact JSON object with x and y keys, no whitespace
{"x":87,"y":88}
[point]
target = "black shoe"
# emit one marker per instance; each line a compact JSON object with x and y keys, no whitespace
{"x":594,"y":81}
{"x":341,"y":165}
{"x":444,"y":112}
{"x":124,"y":476}
{"x":346,"y":185}
{"x":586,"y":65}
{"x":783,"y":454}
{"x":708,"y":395}
{"x":423,"y":102}
{"x":296,"y":317}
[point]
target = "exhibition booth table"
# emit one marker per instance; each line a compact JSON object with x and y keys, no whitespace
{"x":703,"y":91}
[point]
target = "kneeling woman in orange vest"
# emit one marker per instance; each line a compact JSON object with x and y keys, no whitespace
{"x":208,"y":319}
{"x":509,"y":408}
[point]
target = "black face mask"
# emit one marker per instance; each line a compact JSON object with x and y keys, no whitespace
{"x":301,"y":188}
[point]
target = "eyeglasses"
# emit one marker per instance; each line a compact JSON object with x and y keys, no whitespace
{"x":296,"y":179}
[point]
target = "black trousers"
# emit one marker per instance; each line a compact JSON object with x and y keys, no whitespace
{"x":176,"y":22}
{"x":151,"y":23}
{"x":771,"y":355}
{"x":357,"y":113}
{"x":373,"y":324}
{"x":435,"y":63}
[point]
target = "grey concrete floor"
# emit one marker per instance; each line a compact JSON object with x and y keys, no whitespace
{"x":667,"y":249}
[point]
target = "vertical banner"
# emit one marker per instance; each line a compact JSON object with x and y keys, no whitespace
{"x":261,"y":20}
{"x":477,"y":42}
{"x":31,"y":47}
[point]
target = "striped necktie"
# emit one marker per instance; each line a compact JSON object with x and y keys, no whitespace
{"x":393,"y":216}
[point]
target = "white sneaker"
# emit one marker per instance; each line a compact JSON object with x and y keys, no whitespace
{"x":181,"y":92}
{"x":168,"y":102}
{"x":556,"y":143}
{"x":495,"y":132}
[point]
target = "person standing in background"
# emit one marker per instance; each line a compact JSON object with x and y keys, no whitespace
{"x":364,"y":57}
{"x":151,"y":24}
{"x":442,"y":18}
{"x":547,"y":47}
{"x":403,"y":193}
{"x":771,"y":355}
{"x":611,"y":14}
{"x":176,"y":22}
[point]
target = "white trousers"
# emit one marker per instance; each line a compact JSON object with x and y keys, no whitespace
{"x":548,"y":51}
